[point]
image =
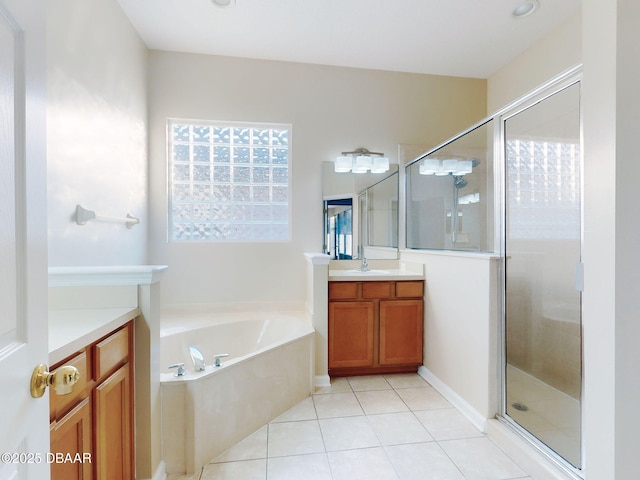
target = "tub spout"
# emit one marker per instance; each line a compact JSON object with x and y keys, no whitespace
{"x":197,"y":358}
{"x":217,"y":358}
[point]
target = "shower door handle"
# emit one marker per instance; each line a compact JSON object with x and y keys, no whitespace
{"x":580,"y":276}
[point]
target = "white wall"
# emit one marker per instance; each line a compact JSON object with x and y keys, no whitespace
{"x":96,"y":133}
{"x":557,"y":52}
{"x":461,"y":327}
{"x":331,"y":109}
{"x":612,"y":258}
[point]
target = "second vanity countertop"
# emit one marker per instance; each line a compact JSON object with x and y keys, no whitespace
{"x":72,"y":330}
{"x":379,"y":270}
{"x":373,"y":275}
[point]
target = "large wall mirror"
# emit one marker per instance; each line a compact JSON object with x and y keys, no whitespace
{"x":360,"y":214}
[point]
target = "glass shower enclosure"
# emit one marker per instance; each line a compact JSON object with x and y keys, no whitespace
{"x":512,"y":186}
{"x":543,"y":271}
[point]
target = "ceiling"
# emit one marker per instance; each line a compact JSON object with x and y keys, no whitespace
{"x":466,"y":38}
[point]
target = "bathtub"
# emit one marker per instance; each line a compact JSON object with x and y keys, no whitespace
{"x":269,"y":369}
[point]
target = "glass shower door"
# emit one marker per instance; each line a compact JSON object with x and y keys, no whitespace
{"x":543,"y":334}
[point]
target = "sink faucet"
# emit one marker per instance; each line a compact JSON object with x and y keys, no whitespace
{"x":364,"y":266}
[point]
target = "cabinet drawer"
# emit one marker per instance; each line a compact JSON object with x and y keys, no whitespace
{"x":372,"y":290}
{"x":111,"y":352}
{"x":61,"y":404}
{"x":409,"y":289}
{"x":343,"y":290}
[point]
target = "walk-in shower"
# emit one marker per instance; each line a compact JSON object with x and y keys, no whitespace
{"x":512,"y":186}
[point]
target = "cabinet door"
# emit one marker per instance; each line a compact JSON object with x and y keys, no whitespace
{"x":400,"y":332}
{"x":71,"y":436}
{"x":113,"y":427}
{"x":351,"y":334}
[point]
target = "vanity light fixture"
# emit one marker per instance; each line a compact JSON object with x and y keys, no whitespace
{"x":221,"y":3}
{"x":525,"y":8}
{"x":361,"y":160}
{"x":448,"y":166}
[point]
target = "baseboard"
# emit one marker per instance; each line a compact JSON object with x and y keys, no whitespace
{"x":322,"y":381}
{"x":475,"y":417}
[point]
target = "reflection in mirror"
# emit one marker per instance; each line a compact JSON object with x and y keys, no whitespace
{"x":450,"y":194}
{"x":360,"y":214}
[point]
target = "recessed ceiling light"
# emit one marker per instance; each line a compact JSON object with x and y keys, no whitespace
{"x":526,"y":8}
{"x":221,"y":3}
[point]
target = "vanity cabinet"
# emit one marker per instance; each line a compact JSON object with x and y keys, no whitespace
{"x":375,"y":327}
{"x":95,"y":421}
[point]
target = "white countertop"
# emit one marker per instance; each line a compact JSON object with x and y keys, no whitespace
{"x":342,"y":275}
{"x":72,"y":330}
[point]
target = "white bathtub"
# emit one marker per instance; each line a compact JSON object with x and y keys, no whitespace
{"x":269,"y":369}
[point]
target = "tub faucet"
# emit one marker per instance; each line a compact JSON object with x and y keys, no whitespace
{"x":364,"y":266}
{"x":217,"y":358}
{"x":197,"y":358}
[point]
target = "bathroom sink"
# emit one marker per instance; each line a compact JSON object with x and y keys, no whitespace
{"x":368,"y":272}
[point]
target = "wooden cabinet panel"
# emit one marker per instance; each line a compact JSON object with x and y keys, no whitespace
{"x":111,"y":352}
{"x":71,"y":435}
{"x":409,"y":289}
{"x":375,"y":327}
{"x":400,"y":332}
{"x":343,"y":290}
{"x":113,"y":427}
{"x":100,"y":420}
{"x":351,"y":328}
{"x":371,"y":290}
{"x":59,"y":405}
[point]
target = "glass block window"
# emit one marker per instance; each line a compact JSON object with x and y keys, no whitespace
{"x":228,"y":182}
{"x":543,"y":189}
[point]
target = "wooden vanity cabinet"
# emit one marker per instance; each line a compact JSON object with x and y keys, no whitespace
{"x":96,"y":419}
{"x":375,"y":327}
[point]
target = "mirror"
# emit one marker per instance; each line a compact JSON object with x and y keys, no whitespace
{"x":360,"y":214}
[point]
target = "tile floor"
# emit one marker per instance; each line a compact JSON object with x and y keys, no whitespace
{"x":375,"y":428}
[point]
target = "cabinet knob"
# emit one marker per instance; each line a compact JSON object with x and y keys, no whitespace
{"x":62,"y":380}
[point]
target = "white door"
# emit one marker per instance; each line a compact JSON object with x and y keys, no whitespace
{"x":24,"y":421}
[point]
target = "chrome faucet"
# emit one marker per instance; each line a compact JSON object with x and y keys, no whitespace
{"x":197,"y":358}
{"x":364,"y":266}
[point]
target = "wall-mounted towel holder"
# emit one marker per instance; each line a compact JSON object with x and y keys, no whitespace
{"x":83,"y":216}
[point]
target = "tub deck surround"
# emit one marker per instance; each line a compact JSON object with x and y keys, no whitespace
{"x":205,"y":413}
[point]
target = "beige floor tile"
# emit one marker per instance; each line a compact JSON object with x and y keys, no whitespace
{"x":423,"y":398}
{"x":245,"y":470}
{"x":447,"y":424}
{"x":381,"y":401}
{"x":363,"y":464}
{"x":294,"y":438}
{"x":369,"y":382}
{"x":308,"y":467}
{"x":481,"y":459}
{"x":305,"y":410}
{"x":398,"y":428}
{"x":421,"y":461}
{"x":337,"y":405}
{"x":348,"y":433}
{"x":406,"y":380}
{"x":251,"y":448}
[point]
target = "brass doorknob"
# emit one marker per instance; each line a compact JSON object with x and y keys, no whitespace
{"x":62,"y":380}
